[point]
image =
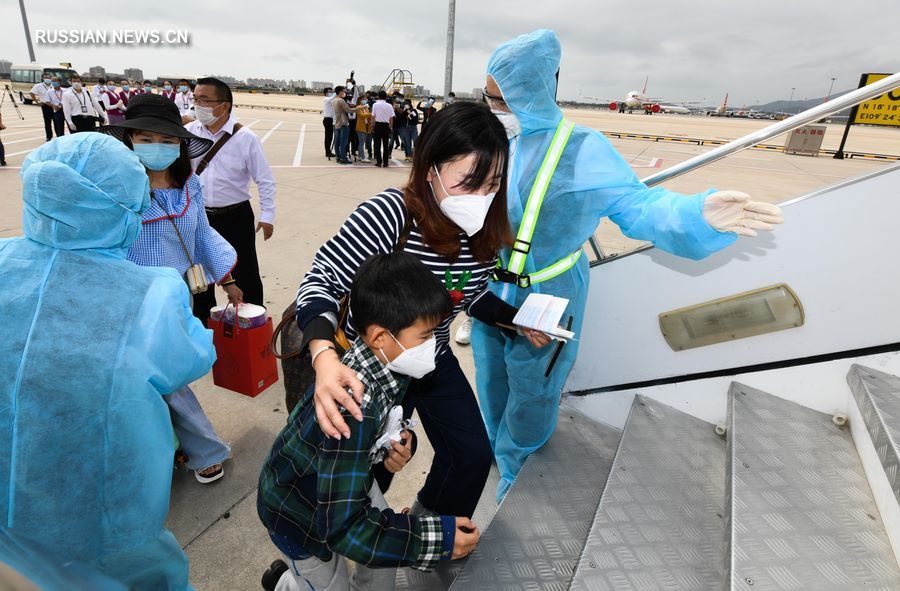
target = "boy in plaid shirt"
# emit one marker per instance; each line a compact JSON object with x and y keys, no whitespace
{"x":317,"y":495}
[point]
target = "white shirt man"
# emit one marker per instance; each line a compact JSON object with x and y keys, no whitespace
{"x":81,"y":109}
{"x":185,"y":101}
{"x":327,"y":107}
{"x":39,"y":91}
{"x":382,"y":111}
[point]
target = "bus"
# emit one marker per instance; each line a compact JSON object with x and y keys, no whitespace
{"x":24,"y":76}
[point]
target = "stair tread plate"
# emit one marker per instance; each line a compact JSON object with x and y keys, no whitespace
{"x":801,"y":513}
{"x":660,"y":523}
{"x":539,"y":530}
{"x":878,"y":396}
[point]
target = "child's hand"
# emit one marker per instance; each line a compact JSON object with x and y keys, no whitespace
{"x":400,"y":453}
{"x":465,"y":538}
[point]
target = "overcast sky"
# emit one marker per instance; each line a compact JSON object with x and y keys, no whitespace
{"x":692,"y":50}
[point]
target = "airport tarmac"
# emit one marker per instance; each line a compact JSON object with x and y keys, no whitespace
{"x":217,"y":524}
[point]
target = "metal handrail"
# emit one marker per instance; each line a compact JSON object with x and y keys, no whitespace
{"x":757,"y":137}
{"x":779,"y":127}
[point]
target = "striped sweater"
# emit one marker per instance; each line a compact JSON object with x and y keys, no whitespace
{"x":375,"y":228}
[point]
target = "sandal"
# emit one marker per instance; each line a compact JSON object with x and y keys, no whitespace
{"x":211,"y":477}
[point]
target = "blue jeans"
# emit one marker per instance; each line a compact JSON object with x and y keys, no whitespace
{"x":341,"y":137}
{"x":409,"y":135}
{"x":196,"y":435}
{"x":363,"y":142}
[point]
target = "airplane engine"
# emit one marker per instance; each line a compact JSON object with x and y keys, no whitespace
{"x":655,"y":108}
{"x":613,"y":106}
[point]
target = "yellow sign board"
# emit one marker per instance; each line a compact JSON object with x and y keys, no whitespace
{"x":884,"y":109}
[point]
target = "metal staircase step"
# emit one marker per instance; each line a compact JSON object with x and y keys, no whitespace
{"x":878,"y":396}
{"x":660,"y":523}
{"x":800,"y":510}
{"x":537,"y":534}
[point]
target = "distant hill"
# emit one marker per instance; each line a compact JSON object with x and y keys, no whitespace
{"x":797,"y":106}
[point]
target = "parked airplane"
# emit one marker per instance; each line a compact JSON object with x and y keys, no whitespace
{"x":635,"y":100}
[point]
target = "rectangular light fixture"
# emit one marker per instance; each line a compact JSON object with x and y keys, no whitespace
{"x":743,"y":315}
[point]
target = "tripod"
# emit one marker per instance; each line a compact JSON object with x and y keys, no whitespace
{"x":8,"y":92}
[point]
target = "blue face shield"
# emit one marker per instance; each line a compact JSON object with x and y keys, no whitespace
{"x":157,"y":157}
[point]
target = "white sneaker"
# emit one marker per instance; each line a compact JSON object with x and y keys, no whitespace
{"x":464,"y":333}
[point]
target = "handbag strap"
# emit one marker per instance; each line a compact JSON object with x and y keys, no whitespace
{"x":174,"y":225}
{"x":207,"y":158}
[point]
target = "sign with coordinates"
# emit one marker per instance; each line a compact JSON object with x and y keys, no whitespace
{"x":884,"y":109}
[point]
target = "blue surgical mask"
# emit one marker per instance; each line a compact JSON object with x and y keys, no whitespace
{"x":125,"y":87}
{"x":46,"y":81}
{"x":148,"y":88}
{"x":167,"y":87}
{"x":157,"y":157}
{"x":55,"y":84}
{"x":182,"y":89}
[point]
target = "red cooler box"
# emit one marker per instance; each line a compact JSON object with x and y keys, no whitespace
{"x":244,"y":359}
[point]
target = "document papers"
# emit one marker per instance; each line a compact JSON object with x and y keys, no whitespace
{"x":543,"y":312}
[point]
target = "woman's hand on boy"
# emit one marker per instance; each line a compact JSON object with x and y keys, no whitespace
{"x":465,"y":539}
{"x":400,"y":453}
{"x":333,"y":379}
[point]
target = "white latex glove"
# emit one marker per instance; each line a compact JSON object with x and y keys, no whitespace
{"x":733,"y":211}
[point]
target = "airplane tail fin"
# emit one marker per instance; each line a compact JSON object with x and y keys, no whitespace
{"x":644,"y":92}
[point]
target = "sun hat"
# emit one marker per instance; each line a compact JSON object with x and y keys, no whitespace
{"x":156,"y":113}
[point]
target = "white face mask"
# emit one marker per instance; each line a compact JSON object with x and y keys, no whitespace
{"x":510,"y":123}
{"x":205,"y":115}
{"x":466,"y":211}
{"x":415,"y":362}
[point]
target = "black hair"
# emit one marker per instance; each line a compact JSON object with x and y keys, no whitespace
{"x":457,"y":131}
{"x":180,"y":170}
{"x":101,"y":81}
{"x":327,"y":90}
{"x":339,"y":89}
{"x":453,"y":94}
{"x":186,"y":82}
{"x":223,"y":91}
{"x":382,"y":95}
{"x":147,"y":82}
{"x":394,"y":291}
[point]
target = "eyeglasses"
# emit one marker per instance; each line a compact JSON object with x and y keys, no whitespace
{"x":485,"y":97}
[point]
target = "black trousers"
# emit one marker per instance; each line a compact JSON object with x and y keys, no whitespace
{"x":2,"y":153}
{"x":59,"y":123}
{"x":238,"y":227}
{"x":328,"y":124}
{"x":47,"y":112}
{"x":354,"y":139}
{"x":453,"y":424}
{"x":84,"y":123}
{"x":382,"y":142}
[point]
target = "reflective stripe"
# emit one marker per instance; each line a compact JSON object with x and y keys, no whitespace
{"x":536,"y":197}
{"x":557,"y":268}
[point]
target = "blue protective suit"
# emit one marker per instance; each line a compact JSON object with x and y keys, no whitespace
{"x":591,"y":181}
{"x":90,"y":344}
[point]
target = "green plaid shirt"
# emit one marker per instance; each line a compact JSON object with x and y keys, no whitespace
{"x":314,"y":490}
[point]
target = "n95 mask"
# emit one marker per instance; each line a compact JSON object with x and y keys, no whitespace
{"x":466,"y":211}
{"x":415,"y":362}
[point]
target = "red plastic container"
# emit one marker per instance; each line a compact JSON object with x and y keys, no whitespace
{"x":244,"y":359}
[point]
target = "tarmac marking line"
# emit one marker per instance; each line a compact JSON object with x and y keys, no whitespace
{"x":270,"y":132}
{"x":28,"y":139}
{"x":299,"y":153}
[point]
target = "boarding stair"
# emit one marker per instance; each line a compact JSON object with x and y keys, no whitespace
{"x":777,"y":498}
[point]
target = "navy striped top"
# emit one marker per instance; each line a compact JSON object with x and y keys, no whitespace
{"x":375,"y":228}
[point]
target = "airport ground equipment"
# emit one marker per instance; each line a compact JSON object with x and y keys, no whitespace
{"x":8,"y":92}
{"x":770,"y":462}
